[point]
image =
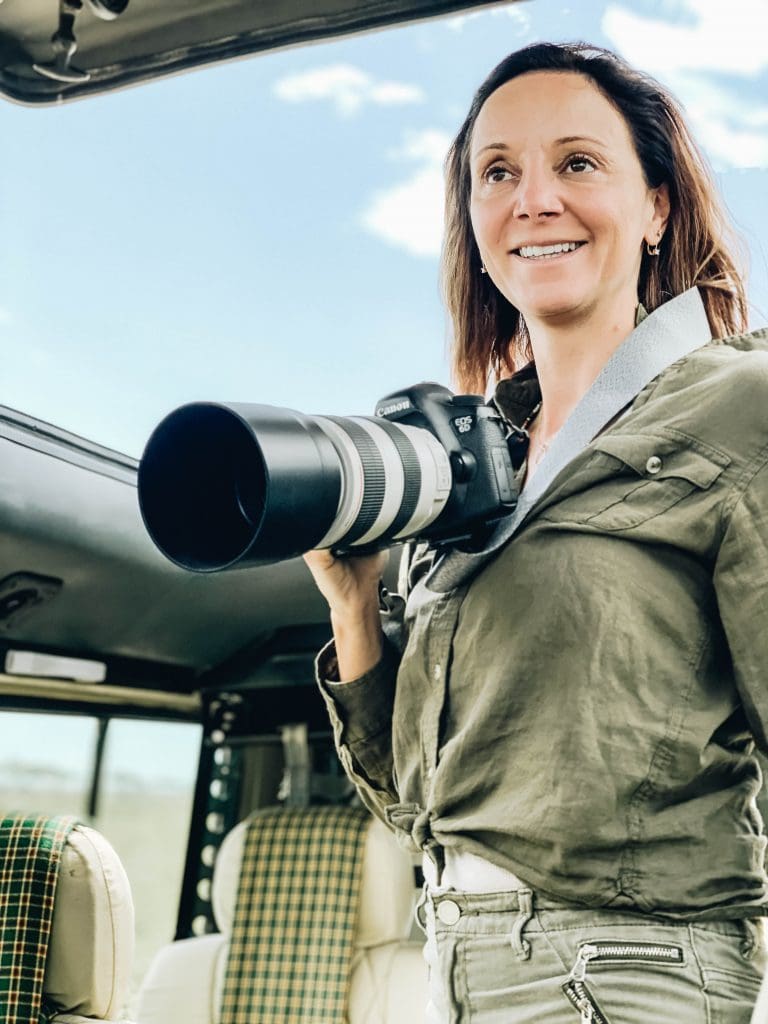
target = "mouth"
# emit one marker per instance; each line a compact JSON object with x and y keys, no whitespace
{"x":546,"y":252}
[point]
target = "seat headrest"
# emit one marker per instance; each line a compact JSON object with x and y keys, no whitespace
{"x":90,"y":952}
{"x":386,"y":891}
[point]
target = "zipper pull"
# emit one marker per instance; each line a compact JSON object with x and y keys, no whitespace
{"x":586,"y":1012}
{"x":579,"y":969}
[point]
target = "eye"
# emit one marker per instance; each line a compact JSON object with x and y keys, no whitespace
{"x":497,"y":173}
{"x":580,"y":163}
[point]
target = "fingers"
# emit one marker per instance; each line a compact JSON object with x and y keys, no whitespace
{"x":347,"y":582}
{"x":320,"y":559}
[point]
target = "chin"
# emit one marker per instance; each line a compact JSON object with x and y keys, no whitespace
{"x":554,"y":310}
{"x":554,"y":300}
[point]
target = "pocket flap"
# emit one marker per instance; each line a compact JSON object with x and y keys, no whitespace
{"x":656,"y":457}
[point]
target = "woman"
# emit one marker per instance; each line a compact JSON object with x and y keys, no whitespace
{"x":565,"y":725}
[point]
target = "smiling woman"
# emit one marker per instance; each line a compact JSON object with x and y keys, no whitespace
{"x":621,"y":177}
{"x":563,"y":722}
{"x":560,"y":220}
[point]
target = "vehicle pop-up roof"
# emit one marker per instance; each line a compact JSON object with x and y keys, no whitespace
{"x":54,"y":50}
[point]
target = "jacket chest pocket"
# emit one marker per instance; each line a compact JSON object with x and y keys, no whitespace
{"x":645,"y":477}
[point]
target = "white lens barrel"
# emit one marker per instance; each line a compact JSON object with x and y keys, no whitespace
{"x":436,"y":480}
{"x":352,"y":478}
{"x":396,"y":480}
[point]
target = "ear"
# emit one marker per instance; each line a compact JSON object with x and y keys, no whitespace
{"x":660,"y":216}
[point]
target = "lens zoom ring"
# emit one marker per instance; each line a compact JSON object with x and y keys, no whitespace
{"x":411,"y":472}
{"x":374,"y":479}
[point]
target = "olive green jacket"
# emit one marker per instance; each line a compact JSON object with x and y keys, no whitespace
{"x":584,"y":711}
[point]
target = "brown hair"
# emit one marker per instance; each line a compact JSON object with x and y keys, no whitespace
{"x":489,"y":334}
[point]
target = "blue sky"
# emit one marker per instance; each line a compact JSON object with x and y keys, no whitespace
{"x":268,"y":230}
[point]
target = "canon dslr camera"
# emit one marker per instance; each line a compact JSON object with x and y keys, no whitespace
{"x":233,"y":485}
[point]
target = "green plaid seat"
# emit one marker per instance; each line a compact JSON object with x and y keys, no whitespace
{"x":292,"y":935}
{"x":30,"y":854}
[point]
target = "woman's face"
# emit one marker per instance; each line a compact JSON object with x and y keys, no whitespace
{"x":559,"y":206}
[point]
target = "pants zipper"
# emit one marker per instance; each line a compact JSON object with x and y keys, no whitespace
{"x":584,"y":1001}
{"x":611,"y":952}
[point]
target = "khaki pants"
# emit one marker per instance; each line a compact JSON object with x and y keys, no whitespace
{"x":513,"y":958}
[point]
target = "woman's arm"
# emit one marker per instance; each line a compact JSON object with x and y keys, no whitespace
{"x":356,"y":672}
{"x":351,"y":588}
{"x":741,"y":585}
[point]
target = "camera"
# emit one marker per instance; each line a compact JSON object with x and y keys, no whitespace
{"x":223,"y":486}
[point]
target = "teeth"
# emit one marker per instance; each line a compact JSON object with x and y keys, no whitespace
{"x":529,"y":252}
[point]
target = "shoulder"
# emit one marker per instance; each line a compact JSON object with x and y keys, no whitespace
{"x":722,"y":372}
{"x":719,"y":395}
{"x":739,"y":361}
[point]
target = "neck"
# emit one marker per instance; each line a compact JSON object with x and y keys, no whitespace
{"x":569,"y":357}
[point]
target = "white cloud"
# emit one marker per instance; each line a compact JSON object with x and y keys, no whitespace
{"x":349,"y":88}
{"x":732,"y":148}
{"x":430,"y":146}
{"x":516,"y":12}
{"x":732,"y":126}
{"x":726,"y":38}
{"x":387,"y":94}
{"x":410,"y":214}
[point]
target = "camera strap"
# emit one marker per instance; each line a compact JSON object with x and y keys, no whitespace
{"x":668,"y":334}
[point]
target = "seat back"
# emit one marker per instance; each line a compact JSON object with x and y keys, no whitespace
{"x":387,"y":977}
{"x":67,"y":901}
{"x":290,"y":945}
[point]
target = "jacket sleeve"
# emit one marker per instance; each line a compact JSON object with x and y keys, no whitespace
{"x":361,"y":716}
{"x":361,"y":711}
{"x":741,"y":585}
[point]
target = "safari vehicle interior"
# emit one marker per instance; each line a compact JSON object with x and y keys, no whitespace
{"x":108,"y":646}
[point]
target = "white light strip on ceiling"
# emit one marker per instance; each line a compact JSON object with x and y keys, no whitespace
{"x":53,"y":666}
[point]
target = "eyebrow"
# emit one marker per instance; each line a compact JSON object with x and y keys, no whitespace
{"x":565,"y":140}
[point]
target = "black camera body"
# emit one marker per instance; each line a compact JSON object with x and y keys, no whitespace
{"x":227,"y":486}
{"x":476,"y":441}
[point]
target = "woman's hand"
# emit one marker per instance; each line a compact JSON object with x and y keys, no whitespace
{"x":350,"y":585}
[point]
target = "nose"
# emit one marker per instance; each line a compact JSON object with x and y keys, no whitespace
{"x":537,"y":195}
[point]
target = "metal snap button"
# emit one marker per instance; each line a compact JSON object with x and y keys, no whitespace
{"x":448,"y":911}
{"x":653,"y":465}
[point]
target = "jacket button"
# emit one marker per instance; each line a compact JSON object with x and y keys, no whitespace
{"x":448,"y":911}
{"x":653,"y":465}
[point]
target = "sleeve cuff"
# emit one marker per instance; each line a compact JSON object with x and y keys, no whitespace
{"x":364,"y":705}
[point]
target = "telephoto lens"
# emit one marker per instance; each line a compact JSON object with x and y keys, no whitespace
{"x":236,"y":485}
{"x":223,"y":486}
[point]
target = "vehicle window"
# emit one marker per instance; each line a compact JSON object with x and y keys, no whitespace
{"x":144,"y":800}
{"x":45,"y":762}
